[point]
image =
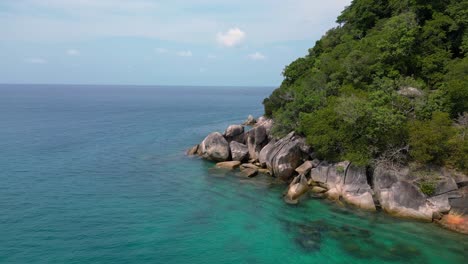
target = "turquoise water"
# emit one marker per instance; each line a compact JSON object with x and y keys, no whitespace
{"x":97,"y":174}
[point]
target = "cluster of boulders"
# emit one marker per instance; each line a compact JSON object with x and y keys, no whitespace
{"x":252,"y":148}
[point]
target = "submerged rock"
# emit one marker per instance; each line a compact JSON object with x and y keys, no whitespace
{"x":251,"y":166}
{"x":228,"y":164}
{"x":249,"y":172}
{"x":215,"y":147}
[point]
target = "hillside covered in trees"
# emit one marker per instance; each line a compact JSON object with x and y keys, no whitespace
{"x":389,"y":82}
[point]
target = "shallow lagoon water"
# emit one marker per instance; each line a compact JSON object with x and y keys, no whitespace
{"x":97,"y":174}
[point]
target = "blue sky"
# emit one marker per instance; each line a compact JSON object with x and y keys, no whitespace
{"x":173,"y":42}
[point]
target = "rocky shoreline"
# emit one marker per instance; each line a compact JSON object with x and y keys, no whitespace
{"x":252,"y":148}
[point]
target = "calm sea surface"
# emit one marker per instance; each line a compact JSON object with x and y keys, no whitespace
{"x":97,"y":174}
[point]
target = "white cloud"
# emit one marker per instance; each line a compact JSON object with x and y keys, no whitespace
{"x":184,"y":53}
{"x":73,"y":52}
{"x":231,"y":38}
{"x":257,"y":56}
{"x":198,"y":22}
{"x":35,"y":61}
{"x":161,"y":50}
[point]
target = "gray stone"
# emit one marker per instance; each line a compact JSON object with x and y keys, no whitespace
{"x":385,"y":177}
{"x":445,"y":185}
{"x":404,"y":199}
{"x":336,"y":175}
{"x":234,"y":133}
{"x":320,"y":174}
{"x":250,"y":121}
{"x":440,"y":203}
{"x":460,"y":203}
{"x":304,"y":168}
{"x":262,"y":157}
{"x":361,"y":200}
{"x":257,"y":138}
{"x":410,"y":92}
{"x":284,"y":157}
{"x":215,"y":147}
{"x":239,"y":151}
{"x":249,"y":172}
{"x":356,"y":179}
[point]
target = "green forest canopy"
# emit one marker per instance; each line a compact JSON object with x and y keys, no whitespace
{"x":392,"y":77}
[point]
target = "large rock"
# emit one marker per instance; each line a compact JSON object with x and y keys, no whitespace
{"x":230,"y":165}
{"x":215,"y":147}
{"x":459,"y":203}
{"x":319,"y":174}
{"x":257,"y":138}
{"x":284,"y":157}
{"x":234,"y":133}
{"x":404,"y":199}
{"x":460,"y":178}
{"x":356,"y":190}
{"x":440,"y":204}
{"x":445,"y":185}
{"x":297,"y":188}
{"x":384,"y":177}
{"x":239,"y":151}
{"x":344,"y":180}
{"x":362,"y":200}
{"x":262,"y":157}
{"x":330,"y":176}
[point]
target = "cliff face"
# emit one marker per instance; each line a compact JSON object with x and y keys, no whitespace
{"x":395,"y":190}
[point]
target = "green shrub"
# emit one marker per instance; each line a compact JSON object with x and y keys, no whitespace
{"x":429,"y":140}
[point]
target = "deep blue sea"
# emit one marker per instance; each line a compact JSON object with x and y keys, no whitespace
{"x":97,"y":174}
